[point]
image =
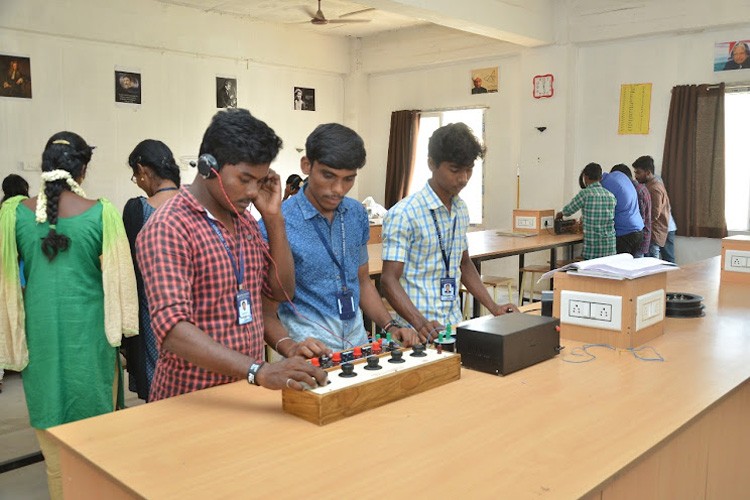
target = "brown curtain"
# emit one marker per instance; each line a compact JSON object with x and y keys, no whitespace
{"x":693,"y":164}
{"x":402,"y":150}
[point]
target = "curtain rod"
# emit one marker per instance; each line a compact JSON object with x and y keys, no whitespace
{"x":436,"y":110}
{"x":734,"y":86}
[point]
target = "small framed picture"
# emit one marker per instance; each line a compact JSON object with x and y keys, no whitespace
{"x":16,"y":77}
{"x":127,"y":87}
{"x":484,"y":80}
{"x":226,"y":92}
{"x":732,"y":55}
{"x":304,"y":99}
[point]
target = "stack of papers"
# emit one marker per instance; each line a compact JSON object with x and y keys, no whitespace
{"x":618,"y":267}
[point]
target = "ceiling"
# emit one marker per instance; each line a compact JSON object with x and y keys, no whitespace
{"x":299,"y":12}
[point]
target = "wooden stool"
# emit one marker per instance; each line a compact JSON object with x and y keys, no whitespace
{"x":494,"y":282}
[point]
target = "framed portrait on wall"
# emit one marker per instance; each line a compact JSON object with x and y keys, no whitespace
{"x":484,"y":80}
{"x":304,"y":99}
{"x":732,"y":55}
{"x":226,"y":92}
{"x":16,"y":76}
{"x":128,"y":87}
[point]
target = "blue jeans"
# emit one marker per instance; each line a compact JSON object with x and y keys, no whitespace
{"x":667,"y":251}
{"x":653,"y":250}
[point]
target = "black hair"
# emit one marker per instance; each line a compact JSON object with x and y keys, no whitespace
{"x":581,"y":182}
{"x":454,"y":143}
{"x":336,"y":146}
{"x":622,"y":168}
{"x":14,"y":185}
{"x":235,"y":136}
{"x":294,"y":178}
{"x":158,"y":157}
{"x":64,"y":151}
{"x":644,"y":163}
{"x":593,"y":171}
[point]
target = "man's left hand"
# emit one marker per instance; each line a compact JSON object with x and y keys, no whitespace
{"x":268,"y":201}
{"x":407,"y":336}
{"x":501,"y":309}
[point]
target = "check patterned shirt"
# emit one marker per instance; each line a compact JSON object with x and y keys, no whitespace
{"x":317,"y":276}
{"x":188,"y":276}
{"x":409,"y":236}
{"x":597,"y":206}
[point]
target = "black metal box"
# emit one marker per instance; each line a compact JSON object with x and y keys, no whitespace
{"x":508,"y":343}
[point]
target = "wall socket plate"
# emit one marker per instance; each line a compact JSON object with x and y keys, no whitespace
{"x":548,"y":222}
{"x":524,"y":222}
{"x":737,"y":261}
{"x":594,"y":310}
{"x":650,"y":309}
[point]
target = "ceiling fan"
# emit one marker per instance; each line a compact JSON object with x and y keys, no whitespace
{"x":319,"y":19}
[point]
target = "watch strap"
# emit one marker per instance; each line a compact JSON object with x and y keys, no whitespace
{"x":252,"y":372}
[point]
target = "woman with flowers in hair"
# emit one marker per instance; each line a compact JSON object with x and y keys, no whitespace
{"x":63,"y":332}
{"x":157,"y":174}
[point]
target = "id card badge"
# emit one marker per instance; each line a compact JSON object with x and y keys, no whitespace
{"x":447,"y":289}
{"x":244,"y":311}
{"x":345,"y":303}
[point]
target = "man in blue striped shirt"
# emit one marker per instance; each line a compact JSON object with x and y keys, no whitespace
{"x":425,"y":250}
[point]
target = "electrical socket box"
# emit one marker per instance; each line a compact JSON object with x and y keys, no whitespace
{"x":621,"y":313}
{"x":591,"y":309}
{"x":649,"y":309}
{"x":533,"y":221}
{"x":735,"y":259}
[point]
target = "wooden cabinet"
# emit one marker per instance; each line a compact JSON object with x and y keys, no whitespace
{"x":376,"y":233}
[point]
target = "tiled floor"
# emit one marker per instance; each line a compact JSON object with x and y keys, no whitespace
{"x":17,"y":439}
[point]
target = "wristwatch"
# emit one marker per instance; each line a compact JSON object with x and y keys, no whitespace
{"x":252,"y":372}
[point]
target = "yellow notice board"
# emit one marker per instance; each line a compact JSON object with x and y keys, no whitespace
{"x":635,"y":108}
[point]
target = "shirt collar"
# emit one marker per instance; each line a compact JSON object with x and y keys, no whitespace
{"x":432,"y":200}
{"x":308,"y":210}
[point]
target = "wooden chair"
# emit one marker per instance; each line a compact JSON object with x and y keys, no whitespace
{"x":533,"y":270}
{"x":488,"y":281}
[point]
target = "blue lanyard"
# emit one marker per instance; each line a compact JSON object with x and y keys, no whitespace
{"x":446,"y":256}
{"x":323,"y":239}
{"x":239,"y":271}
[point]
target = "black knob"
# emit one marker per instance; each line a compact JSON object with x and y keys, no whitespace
{"x":373,"y":363}
{"x":347,"y":370}
{"x":418,"y":351}
{"x":396,"y":356}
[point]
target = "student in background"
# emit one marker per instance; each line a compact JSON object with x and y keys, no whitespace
{"x":328,"y":234}
{"x":628,"y":221}
{"x":425,"y":249}
{"x":80,"y":297}
{"x":14,"y":185}
{"x":597,"y":206}
{"x":644,"y":207}
{"x":293,"y":185}
{"x":157,"y":174}
{"x":661,"y":208}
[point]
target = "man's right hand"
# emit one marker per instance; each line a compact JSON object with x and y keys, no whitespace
{"x":291,"y":373}
{"x":429,"y":331}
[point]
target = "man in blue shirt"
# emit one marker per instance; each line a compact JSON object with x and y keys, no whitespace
{"x":328,"y":235}
{"x":628,"y":220}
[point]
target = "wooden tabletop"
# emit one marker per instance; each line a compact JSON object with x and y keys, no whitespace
{"x":554,"y":430}
{"x":486,"y":245}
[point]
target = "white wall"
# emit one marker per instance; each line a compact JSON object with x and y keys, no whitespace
{"x":75,"y":46}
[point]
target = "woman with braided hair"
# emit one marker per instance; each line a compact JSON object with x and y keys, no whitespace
{"x":157,"y":174}
{"x":64,"y":331}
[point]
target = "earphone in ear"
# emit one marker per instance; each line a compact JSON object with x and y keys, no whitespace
{"x":207,"y":165}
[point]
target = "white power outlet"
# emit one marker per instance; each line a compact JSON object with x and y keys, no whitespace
{"x":548,"y":222}
{"x":649,"y":309}
{"x":594,"y":310}
{"x":526,"y":222}
{"x":737,"y":260}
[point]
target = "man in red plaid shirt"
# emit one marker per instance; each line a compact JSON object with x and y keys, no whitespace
{"x":205,"y":265}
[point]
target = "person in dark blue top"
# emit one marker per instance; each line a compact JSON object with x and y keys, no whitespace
{"x":628,"y":220}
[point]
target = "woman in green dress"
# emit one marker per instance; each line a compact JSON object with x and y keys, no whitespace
{"x":79,"y":300}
